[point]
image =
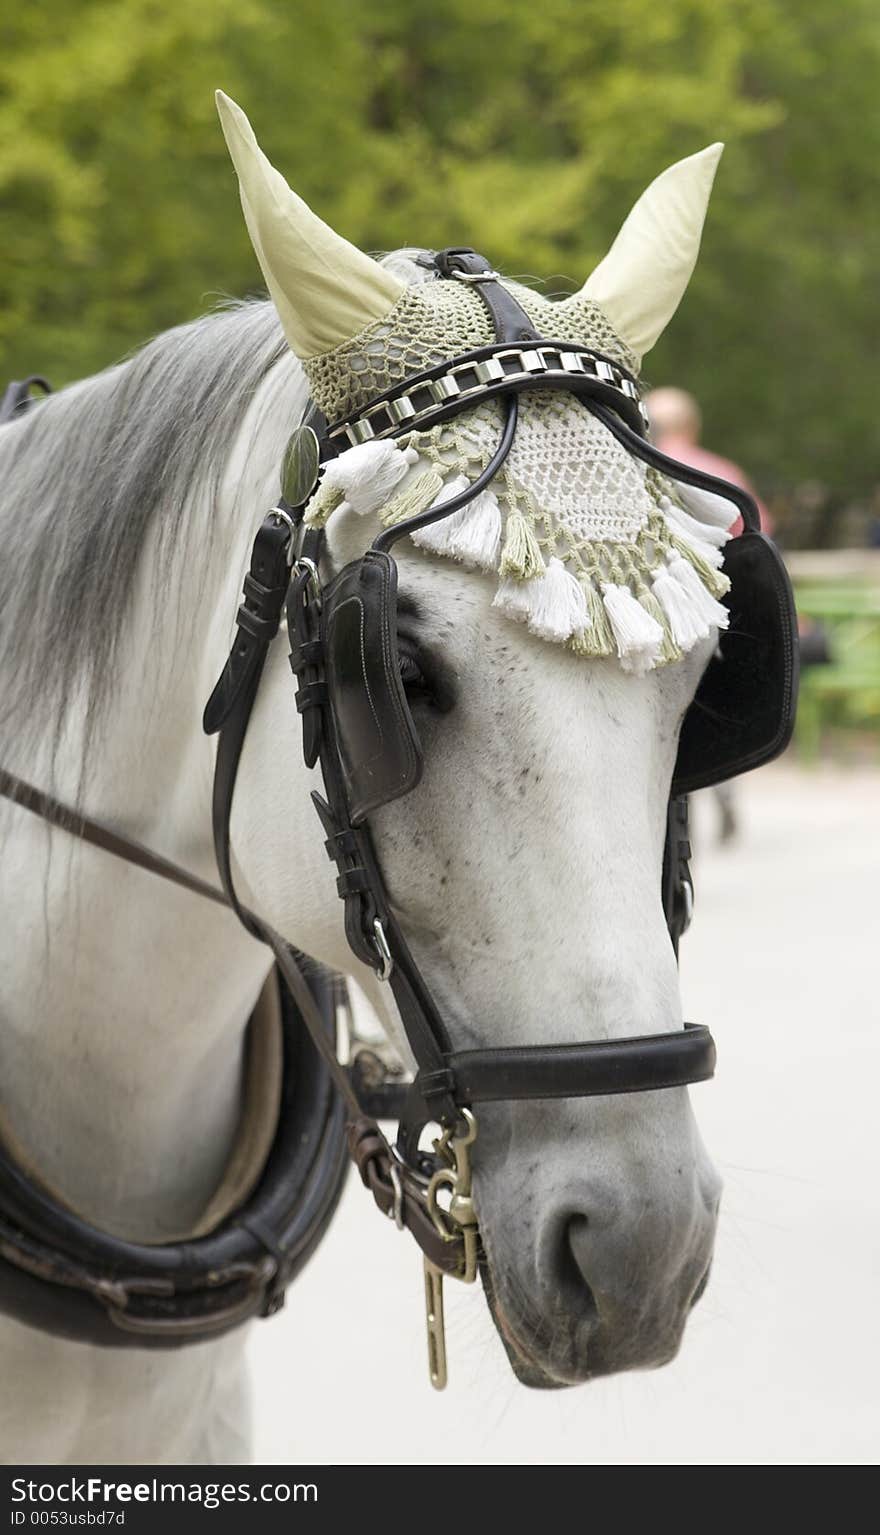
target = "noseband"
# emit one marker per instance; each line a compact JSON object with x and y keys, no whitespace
{"x":357,"y":727}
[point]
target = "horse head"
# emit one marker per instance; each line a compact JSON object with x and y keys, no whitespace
{"x":523,"y":864}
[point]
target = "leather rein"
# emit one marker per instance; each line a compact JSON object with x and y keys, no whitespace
{"x":429,"y":1193}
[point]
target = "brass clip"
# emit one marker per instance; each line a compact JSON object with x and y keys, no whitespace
{"x":436,"y":1326}
{"x":457,"y":1224}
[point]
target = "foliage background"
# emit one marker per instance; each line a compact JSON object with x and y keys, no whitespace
{"x":525,"y":129}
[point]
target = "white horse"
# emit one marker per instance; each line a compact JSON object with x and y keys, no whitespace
{"x":525,"y":868}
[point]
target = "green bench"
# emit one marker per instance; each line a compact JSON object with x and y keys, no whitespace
{"x":844,"y":695}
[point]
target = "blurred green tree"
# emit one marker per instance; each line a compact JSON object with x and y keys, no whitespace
{"x":524,"y":129}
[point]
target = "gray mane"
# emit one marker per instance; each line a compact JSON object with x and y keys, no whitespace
{"x":84,"y":476}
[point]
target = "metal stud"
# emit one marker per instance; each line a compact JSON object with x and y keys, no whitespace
{"x":400,"y":410}
{"x":489,"y":370}
{"x":445,"y":388}
{"x":361,"y":431}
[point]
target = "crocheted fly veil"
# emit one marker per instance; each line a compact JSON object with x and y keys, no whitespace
{"x":591,"y":548}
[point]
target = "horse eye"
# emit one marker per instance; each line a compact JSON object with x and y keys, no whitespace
{"x":425,"y":679}
{"x":411,"y":675}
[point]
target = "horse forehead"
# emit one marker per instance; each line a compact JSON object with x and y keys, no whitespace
{"x":512,"y":673}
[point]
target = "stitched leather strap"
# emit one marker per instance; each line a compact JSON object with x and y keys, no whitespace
{"x":639,"y":1064}
{"x":406,"y":1199}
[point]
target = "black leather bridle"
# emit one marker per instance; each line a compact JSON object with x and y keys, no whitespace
{"x":286,"y":568}
{"x":407,"y":1182}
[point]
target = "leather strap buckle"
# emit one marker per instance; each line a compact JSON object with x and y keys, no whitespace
{"x":380,"y":943}
{"x":472,"y":277}
{"x":311,"y":586}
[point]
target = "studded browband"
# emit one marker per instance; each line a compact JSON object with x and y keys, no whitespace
{"x":429,"y":398}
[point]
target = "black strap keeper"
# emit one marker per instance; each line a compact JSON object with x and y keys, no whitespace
{"x":310,"y":695}
{"x":342,"y":844}
{"x":264,"y":629}
{"x":436,"y":1084}
{"x":307,"y":653}
{"x":353,"y":882}
{"x":262,"y":597}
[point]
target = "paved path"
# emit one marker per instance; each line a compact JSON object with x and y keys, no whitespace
{"x":781,"y":1360}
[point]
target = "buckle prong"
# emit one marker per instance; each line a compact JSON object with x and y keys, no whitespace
{"x":381,"y":942}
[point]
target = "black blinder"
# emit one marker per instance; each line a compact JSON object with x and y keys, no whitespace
{"x":744,"y":709}
{"x":379,"y":750}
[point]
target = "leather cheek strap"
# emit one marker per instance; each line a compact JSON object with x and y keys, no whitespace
{"x":257,"y":620}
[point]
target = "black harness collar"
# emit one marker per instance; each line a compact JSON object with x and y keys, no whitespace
{"x":56,"y":1271}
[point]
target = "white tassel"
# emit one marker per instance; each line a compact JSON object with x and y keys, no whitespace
{"x":513,"y":598}
{"x":476,"y":537}
{"x":557,"y":606}
{"x":705,"y":552}
{"x":686,"y":624}
{"x":639,"y":637}
{"x":707,"y":507}
{"x":368,"y":474}
{"x":437,"y":537}
{"x":690,"y":527}
{"x":707,"y":532}
{"x":712,"y":612}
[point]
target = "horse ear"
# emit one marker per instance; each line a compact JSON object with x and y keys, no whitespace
{"x":640,"y":283}
{"x":326,"y":291}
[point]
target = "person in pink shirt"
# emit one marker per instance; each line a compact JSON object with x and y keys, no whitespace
{"x":676,"y":427}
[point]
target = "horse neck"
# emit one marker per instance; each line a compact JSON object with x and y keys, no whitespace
{"x":126,"y":999}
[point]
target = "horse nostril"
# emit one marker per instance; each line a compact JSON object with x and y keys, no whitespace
{"x":573,"y":1259}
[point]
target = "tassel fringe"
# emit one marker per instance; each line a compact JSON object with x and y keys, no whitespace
{"x":670,"y":650}
{"x":414,"y":496}
{"x":692,"y":613}
{"x":707,"y":507}
{"x":653,"y":622}
{"x":476,"y":537}
{"x":324,"y":502}
{"x":685,"y":623}
{"x":714,"y":614}
{"x":368,"y":474}
{"x":715,"y":581}
{"x":513,"y":598}
{"x":597,"y":637}
{"x":521,"y":555}
{"x":554,"y":605}
{"x":702,"y":533}
{"x":638,"y":636}
{"x":557,"y":607}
